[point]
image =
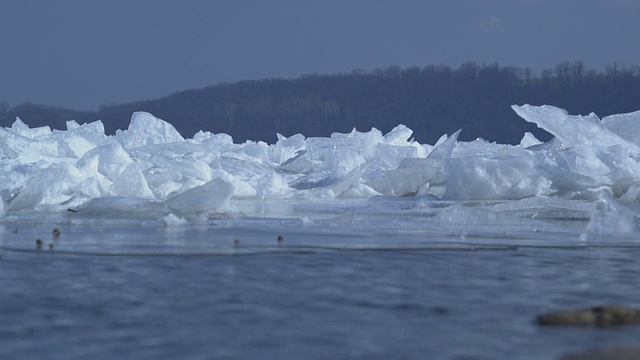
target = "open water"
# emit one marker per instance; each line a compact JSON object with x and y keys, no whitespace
{"x":124,"y":291}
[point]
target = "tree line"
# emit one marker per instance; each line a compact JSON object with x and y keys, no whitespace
{"x":431,"y":100}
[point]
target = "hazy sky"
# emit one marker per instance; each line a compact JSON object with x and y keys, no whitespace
{"x":84,"y":53}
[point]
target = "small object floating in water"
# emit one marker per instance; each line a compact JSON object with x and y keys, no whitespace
{"x":50,"y":246}
{"x":605,"y":316}
{"x":72,"y":210}
{"x":280,"y":239}
{"x":15,"y":231}
{"x":56,"y":232}
{"x":236,"y":241}
{"x":39,"y":244}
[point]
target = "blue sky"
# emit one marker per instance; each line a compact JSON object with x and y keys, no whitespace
{"x":81,"y":53}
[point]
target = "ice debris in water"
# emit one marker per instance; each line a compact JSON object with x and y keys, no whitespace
{"x":172,"y":220}
{"x":151,"y":167}
{"x":611,"y":218}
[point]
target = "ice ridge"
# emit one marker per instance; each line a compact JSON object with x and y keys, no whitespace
{"x":150,"y":163}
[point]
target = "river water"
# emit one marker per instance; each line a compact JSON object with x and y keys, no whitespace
{"x":115,"y":290}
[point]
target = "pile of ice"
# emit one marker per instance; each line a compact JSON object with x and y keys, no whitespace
{"x":151,"y":164}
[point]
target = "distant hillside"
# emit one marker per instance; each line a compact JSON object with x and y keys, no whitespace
{"x":431,"y":100}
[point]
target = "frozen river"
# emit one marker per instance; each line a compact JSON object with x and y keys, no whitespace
{"x":145,"y":244}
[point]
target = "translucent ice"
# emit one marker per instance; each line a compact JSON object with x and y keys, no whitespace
{"x":627,"y":126}
{"x":612,"y":218}
{"x":587,"y":153}
{"x":22,"y":129}
{"x":146,"y":129}
{"x":589,"y":171}
{"x":574,"y":130}
{"x":173,"y":220}
{"x":211,"y":196}
{"x":480,"y":178}
{"x":529,"y":140}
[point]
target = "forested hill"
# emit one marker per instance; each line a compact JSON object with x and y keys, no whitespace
{"x":431,"y":100}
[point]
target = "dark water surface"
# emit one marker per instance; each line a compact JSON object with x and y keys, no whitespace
{"x":355,"y":304}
